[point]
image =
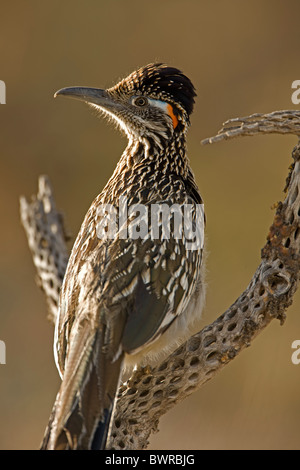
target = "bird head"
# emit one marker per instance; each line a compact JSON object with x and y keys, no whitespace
{"x":155,"y":102}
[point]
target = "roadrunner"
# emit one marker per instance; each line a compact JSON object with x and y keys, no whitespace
{"x":130,"y":295}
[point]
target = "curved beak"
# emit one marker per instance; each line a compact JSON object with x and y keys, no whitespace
{"x":95,"y":96}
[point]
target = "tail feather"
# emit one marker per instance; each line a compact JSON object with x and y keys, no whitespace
{"x":82,"y":412}
{"x":102,"y":430}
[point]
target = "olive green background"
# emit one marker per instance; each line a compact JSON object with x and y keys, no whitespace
{"x":242,"y":57}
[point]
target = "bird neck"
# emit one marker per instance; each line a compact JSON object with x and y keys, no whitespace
{"x":170,"y":154}
{"x":143,"y":166}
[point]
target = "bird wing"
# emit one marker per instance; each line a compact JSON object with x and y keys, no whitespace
{"x":119,"y":295}
{"x":88,"y":354}
{"x":152,"y":281}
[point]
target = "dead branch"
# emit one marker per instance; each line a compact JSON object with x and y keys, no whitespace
{"x":149,"y":394}
{"x":278,"y":122}
{"x":47,"y":239}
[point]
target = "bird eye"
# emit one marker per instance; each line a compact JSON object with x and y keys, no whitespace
{"x":140,"y":101}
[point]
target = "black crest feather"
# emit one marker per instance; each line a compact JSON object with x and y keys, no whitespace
{"x":163,"y":82}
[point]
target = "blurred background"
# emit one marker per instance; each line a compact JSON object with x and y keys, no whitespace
{"x":242,"y":58}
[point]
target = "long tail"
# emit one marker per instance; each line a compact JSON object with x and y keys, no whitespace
{"x":81,"y":415}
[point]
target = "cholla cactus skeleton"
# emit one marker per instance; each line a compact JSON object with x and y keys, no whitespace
{"x":150,"y":393}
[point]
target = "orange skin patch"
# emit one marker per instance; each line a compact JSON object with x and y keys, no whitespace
{"x":172,"y":115}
